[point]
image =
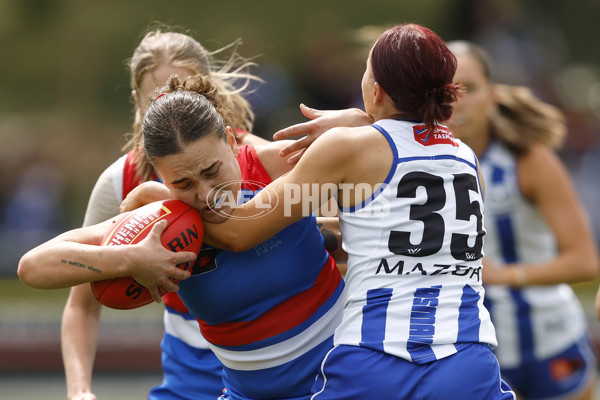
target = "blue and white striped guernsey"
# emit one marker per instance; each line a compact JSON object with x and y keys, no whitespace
{"x":534,"y":322}
{"x":415,"y":250}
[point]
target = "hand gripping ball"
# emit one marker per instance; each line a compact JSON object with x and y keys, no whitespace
{"x":184,"y":232}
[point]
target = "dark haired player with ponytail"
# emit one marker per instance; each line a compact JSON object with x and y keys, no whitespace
{"x":269,"y":313}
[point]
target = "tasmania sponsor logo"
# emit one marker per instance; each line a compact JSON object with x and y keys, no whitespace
{"x":439,"y":135}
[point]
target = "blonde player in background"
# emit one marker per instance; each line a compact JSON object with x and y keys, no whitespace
{"x":538,"y":239}
{"x":268,"y":313}
{"x":191,"y":371}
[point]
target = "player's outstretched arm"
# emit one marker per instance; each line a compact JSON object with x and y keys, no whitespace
{"x":75,"y":257}
{"x":320,"y":122}
{"x":315,"y":179}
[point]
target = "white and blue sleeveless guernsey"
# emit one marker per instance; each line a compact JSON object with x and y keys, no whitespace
{"x":415,"y":250}
{"x":534,"y":322}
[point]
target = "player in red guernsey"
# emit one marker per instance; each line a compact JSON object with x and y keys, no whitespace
{"x":158,"y":55}
{"x":269,"y":314}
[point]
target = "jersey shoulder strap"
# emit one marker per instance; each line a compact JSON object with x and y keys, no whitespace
{"x":252,"y":169}
{"x":130,"y":180}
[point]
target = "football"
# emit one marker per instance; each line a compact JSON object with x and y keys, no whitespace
{"x":184,"y":232}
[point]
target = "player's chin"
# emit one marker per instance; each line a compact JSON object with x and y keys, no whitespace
{"x":215,"y":216}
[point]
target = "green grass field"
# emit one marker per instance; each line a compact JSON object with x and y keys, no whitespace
{"x":48,"y":304}
{"x":22,"y":305}
{"x":13,"y":290}
{"x":30,"y":327}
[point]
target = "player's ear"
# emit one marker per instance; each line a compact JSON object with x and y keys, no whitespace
{"x":231,"y":141}
{"x":379,"y":93}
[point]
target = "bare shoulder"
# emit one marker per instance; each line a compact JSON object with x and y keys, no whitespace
{"x":269,"y":156}
{"x":539,"y":161}
{"x":364,"y":153}
{"x":343,"y":143}
{"x":252,"y":139}
{"x":540,"y":167}
{"x":334,"y":142}
{"x":269,"y":148}
{"x":356,"y":143}
{"x":538,"y":153}
{"x":351,"y":138}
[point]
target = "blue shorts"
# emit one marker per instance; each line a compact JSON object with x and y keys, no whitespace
{"x":562,"y":375}
{"x":352,"y":372}
{"x":292,"y":380}
{"x":194,"y":374}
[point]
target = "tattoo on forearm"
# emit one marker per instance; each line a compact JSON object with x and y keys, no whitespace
{"x":80,"y":265}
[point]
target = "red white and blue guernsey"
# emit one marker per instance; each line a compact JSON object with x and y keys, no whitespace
{"x":190,"y":369}
{"x":415,"y":294}
{"x":268,"y":313}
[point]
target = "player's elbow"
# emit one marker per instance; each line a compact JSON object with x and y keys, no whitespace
{"x":232,"y":241}
{"x":593,"y":264}
{"x":236,"y":244}
{"x":586,"y":263}
{"x":239,"y":247}
{"x":592,"y":272}
{"x":233,"y":248}
{"x":26,"y":272}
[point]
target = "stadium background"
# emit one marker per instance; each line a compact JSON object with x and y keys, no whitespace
{"x":65,"y":108}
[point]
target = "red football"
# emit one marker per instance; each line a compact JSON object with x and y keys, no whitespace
{"x":184,"y":232}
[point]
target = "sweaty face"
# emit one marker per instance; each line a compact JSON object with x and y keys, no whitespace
{"x":470,"y":121}
{"x":155,"y":79}
{"x":194,"y":175}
